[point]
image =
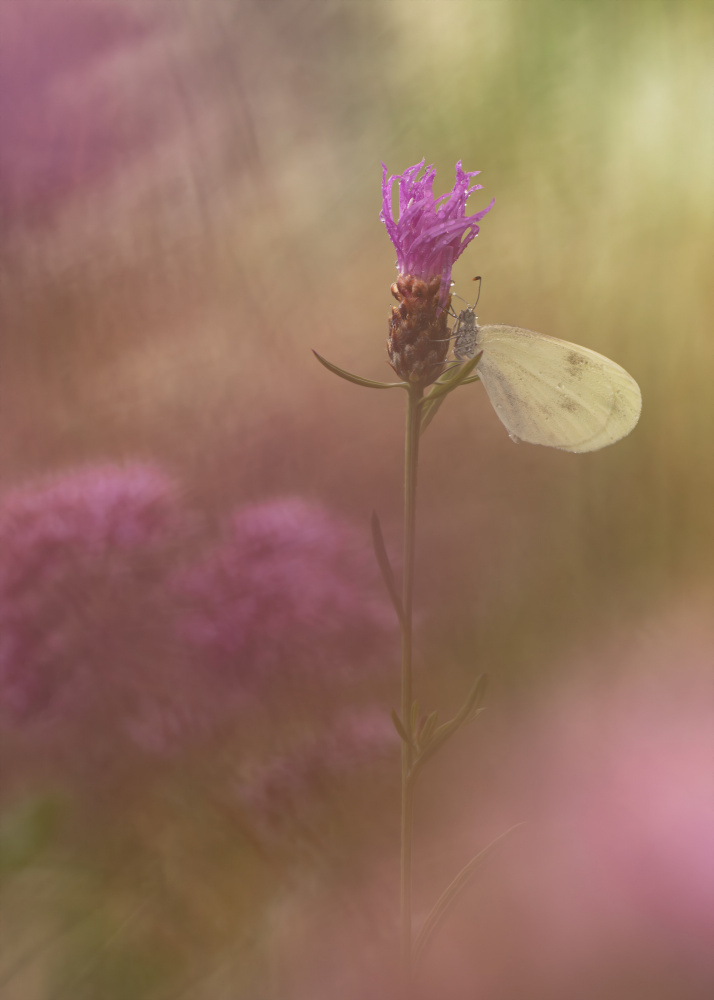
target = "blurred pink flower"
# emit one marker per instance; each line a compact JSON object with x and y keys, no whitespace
{"x":288,"y":595}
{"x":66,"y":114}
{"x":430,"y":234}
{"x":283,"y":794}
{"x":81,"y":560}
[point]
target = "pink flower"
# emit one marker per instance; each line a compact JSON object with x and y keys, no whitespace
{"x":430,"y":234}
{"x":285,"y":794}
{"x":289,"y":592}
{"x":81,"y":558}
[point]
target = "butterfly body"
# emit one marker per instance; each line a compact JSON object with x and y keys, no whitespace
{"x":465,"y":333}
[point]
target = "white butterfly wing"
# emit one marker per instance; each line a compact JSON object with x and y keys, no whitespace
{"x":548,"y":391}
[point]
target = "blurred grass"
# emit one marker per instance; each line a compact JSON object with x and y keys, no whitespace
{"x":165,"y":303}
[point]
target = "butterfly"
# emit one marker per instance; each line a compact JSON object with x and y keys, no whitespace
{"x":548,"y":391}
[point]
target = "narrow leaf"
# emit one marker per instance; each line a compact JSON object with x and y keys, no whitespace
{"x":452,"y":892}
{"x":427,"y":729}
{"x":415,"y":715}
{"x":429,"y":411}
{"x":474,"y":699}
{"x":444,"y":730}
{"x":440,"y":736}
{"x":467,"y":713}
{"x":385,"y":567}
{"x":400,"y":728}
{"x":432,"y":402}
{"x":357,"y":379}
{"x":448,"y":385}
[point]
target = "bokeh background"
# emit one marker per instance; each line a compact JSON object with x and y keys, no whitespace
{"x":189,"y":196}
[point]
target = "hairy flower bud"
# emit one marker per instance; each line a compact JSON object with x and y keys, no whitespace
{"x":418,"y":340}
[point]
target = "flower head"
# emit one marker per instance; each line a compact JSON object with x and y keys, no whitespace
{"x":80,"y":558}
{"x":430,"y":234}
{"x":287,"y":791}
{"x":429,"y":237}
{"x":288,"y":591}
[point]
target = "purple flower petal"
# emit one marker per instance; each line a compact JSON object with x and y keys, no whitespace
{"x":430,"y":234}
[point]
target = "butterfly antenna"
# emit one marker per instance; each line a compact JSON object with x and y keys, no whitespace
{"x":478,"y":296}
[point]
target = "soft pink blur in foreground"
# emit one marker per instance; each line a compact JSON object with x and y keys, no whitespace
{"x":608,"y":888}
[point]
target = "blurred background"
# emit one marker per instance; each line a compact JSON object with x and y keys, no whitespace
{"x":199,"y":792}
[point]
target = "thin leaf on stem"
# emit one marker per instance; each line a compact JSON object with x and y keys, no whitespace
{"x":385,"y":567}
{"x":401,"y":731}
{"x":357,"y":379}
{"x":474,"y":698}
{"x":415,"y":715}
{"x":426,"y":731}
{"x":467,"y":713}
{"x":446,"y":385}
{"x":453,"y":891}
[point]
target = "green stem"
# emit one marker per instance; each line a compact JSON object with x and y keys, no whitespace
{"x":411,"y":458}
